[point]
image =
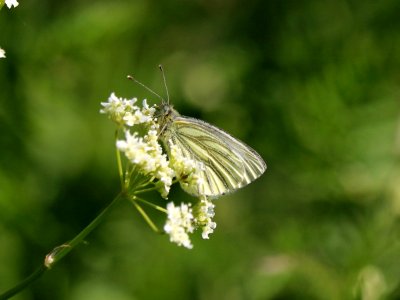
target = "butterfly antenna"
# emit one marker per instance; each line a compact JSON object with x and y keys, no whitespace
{"x":165,"y":81}
{"x":130,"y":77}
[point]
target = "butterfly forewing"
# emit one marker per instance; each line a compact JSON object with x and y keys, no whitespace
{"x":229,"y":164}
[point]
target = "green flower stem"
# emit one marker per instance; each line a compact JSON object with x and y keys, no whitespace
{"x":24,"y":283}
{"x":60,"y":251}
{"x":119,"y":162}
{"x":145,"y":190}
{"x":159,"y":208}
{"x":146,"y":217}
{"x":143,"y":183}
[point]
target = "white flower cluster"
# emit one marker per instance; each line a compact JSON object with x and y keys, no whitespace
{"x":183,"y":220}
{"x":187,"y":171}
{"x":146,"y":154}
{"x":125,"y":112}
{"x":2,"y":53}
{"x":179,"y":224}
{"x":204,"y":212}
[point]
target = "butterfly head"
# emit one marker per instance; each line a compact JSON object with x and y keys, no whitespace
{"x":165,"y":114}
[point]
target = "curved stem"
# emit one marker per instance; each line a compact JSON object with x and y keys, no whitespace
{"x":60,"y":251}
{"x":24,"y":283}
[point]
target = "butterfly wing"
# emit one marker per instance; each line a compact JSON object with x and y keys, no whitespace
{"x":229,"y":164}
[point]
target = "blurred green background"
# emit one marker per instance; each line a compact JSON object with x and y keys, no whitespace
{"x":313,"y":86}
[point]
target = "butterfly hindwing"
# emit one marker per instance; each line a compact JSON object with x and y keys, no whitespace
{"x":229,"y":164}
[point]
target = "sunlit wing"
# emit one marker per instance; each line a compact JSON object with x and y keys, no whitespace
{"x":229,"y":164}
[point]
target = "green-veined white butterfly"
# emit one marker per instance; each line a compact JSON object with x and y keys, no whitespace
{"x":229,"y":164}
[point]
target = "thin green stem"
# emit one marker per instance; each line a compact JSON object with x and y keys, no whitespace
{"x":145,"y":190}
{"x":146,"y":217}
{"x":60,"y":251}
{"x":144,"y":182}
{"x":128,"y":176}
{"x":159,"y":208}
{"x":24,"y":283}
{"x":135,"y":176}
{"x":119,"y":162}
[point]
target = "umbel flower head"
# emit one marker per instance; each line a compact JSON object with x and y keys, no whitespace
{"x":147,"y":167}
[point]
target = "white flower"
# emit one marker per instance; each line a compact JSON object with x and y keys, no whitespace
{"x":164,"y":173}
{"x":116,"y":108}
{"x":136,"y":117}
{"x":204,"y":212}
{"x":143,"y":151}
{"x":187,"y":171}
{"x":147,"y":110}
{"x":2,"y":53}
{"x":125,"y":112}
{"x":137,"y":151}
{"x":146,"y":153}
{"x":11,"y":3}
{"x":179,"y":224}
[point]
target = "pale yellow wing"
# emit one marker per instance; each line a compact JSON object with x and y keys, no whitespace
{"x":229,"y":164}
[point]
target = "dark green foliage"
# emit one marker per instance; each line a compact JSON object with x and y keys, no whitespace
{"x":313,"y":86}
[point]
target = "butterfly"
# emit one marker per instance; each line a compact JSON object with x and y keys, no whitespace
{"x":228,"y":163}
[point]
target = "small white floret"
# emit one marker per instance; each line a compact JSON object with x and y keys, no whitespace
{"x":12,"y":3}
{"x":179,"y":224}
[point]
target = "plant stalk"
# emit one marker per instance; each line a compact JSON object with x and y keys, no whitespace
{"x":59,"y":252}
